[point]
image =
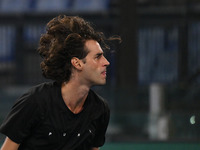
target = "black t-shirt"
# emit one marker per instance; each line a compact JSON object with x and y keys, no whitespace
{"x":40,"y":120}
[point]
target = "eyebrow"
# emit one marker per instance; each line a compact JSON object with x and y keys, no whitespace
{"x":99,"y":54}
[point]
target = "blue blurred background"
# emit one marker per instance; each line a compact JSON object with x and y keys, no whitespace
{"x":153,"y":81}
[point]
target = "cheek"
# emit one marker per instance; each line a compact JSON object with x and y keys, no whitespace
{"x":92,"y":64}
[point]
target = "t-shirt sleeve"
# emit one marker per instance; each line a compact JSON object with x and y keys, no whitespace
{"x":22,"y":118}
{"x":99,"y":139}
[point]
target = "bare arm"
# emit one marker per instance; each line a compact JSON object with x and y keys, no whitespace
{"x":95,"y":148}
{"x":9,"y":145}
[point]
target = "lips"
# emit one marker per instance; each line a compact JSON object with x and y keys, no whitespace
{"x":104,"y":73}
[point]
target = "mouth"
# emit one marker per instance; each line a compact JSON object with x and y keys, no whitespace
{"x":104,"y":73}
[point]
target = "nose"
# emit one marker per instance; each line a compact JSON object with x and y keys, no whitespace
{"x":106,"y":62}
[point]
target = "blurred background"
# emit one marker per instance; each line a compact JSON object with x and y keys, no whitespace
{"x":153,"y":84}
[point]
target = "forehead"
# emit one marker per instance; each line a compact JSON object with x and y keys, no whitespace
{"x":93,"y":46}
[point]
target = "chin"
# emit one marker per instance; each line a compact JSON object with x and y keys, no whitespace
{"x":101,"y":83}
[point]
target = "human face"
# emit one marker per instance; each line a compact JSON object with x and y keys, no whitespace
{"x":94,"y":68}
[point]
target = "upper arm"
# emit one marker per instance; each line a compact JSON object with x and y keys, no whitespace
{"x":95,"y":148}
{"x":9,"y":145}
{"x":25,"y":108}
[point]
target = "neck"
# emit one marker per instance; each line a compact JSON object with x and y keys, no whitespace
{"x":74,"y":95}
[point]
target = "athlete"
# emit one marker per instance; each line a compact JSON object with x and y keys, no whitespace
{"x":64,"y":114}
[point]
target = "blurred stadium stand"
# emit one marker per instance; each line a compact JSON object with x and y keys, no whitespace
{"x":160,"y":45}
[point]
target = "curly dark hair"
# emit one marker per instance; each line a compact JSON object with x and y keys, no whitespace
{"x":64,"y":39}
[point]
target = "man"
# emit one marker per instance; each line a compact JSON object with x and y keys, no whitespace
{"x":64,"y":114}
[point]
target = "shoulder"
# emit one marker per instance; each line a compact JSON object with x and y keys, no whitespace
{"x":42,"y":91}
{"x":42,"y":88}
{"x":99,"y":102}
{"x":98,"y":98}
{"x":101,"y":110}
{"x":37,"y":94}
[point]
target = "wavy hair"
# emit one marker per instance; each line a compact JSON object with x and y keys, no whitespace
{"x":64,"y":39}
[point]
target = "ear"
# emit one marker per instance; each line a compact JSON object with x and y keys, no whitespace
{"x":77,"y":63}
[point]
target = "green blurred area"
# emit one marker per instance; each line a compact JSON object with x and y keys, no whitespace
{"x":151,"y":146}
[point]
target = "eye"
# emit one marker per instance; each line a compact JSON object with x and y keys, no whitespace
{"x":98,"y":56}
